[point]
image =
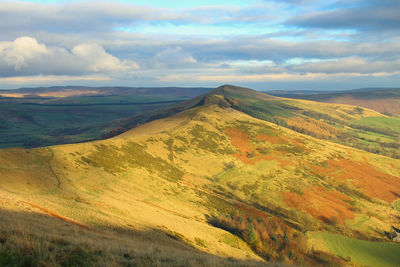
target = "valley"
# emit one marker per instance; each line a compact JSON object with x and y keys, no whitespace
{"x":35,"y":117}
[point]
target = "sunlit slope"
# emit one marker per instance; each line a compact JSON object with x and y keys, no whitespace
{"x":217,"y":179}
{"x":384,"y":100}
{"x":345,"y":124}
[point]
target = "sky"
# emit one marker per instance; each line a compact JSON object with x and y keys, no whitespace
{"x":261,"y":44}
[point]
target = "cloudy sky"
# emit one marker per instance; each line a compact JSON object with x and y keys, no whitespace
{"x":262,"y":44}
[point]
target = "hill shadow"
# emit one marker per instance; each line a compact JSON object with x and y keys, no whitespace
{"x":28,"y":238}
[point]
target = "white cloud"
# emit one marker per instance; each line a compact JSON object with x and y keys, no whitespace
{"x":26,"y":56}
{"x":173,"y":57}
{"x":18,"y":52}
{"x":97,"y":59}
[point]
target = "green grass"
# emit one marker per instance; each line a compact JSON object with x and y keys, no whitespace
{"x":397,"y":205}
{"x":366,"y":253}
{"x":71,"y":119}
{"x":115,"y":160}
{"x":392,"y":123}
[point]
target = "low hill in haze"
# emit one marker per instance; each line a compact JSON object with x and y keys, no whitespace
{"x":221,"y":181}
{"x":48,"y":93}
{"x":383,"y":100}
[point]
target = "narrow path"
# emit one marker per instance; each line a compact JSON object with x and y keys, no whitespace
{"x":53,"y":214}
{"x":51,"y":168}
{"x":164,"y":209}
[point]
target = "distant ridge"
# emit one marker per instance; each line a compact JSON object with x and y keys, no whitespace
{"x":108,"y":90}
{"x":384,"y":100}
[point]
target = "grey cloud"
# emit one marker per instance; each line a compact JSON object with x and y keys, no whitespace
{"x":225,"y":14}
{"x":382,"y":16}
{"x":280,"y":51}
{"x":171,"y":50}
{"x":89,"y":16}
{"x":79,"y":38}
{"x":79,"y":16}
{"x":349,"y":65}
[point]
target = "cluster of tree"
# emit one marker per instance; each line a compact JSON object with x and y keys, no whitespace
{"x":382,"y":150}
{"x":260,"y":114}
{"x":313,"y":127}
{"x":265,"y":235}
{"x":322,"y":116}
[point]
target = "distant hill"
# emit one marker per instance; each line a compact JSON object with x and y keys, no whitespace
{"x":33,"y":117}
{"x":70,"y":91}
{"x":224,"y":179}
{"x":383,"y":100}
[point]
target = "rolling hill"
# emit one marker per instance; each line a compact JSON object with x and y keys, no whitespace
{"x":349,"y":125}
{"x":383,"y":100}
{"x":221,"y":180}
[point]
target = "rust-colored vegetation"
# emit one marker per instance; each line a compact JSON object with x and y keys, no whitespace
{"x":313,"y":127}
{"x":242,"y":141}
{"x":251,"y":151}
{"x":328,"y":206}
{"x":271,"y":238}
{"x":267,"y":235}
{"x":273,"y":139}
{"x":370,"y":181}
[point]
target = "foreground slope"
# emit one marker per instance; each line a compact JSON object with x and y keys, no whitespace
{"x":206,"y":184}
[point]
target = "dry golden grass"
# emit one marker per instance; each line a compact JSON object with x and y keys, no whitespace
{"x":29,"y":236}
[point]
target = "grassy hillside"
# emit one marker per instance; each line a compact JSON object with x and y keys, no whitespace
{"x":57,"y":115}
{"x":349,"y":125}
{"x":364,"y":253}
{"x":385,"y":100}
{"x":200,"y":187}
